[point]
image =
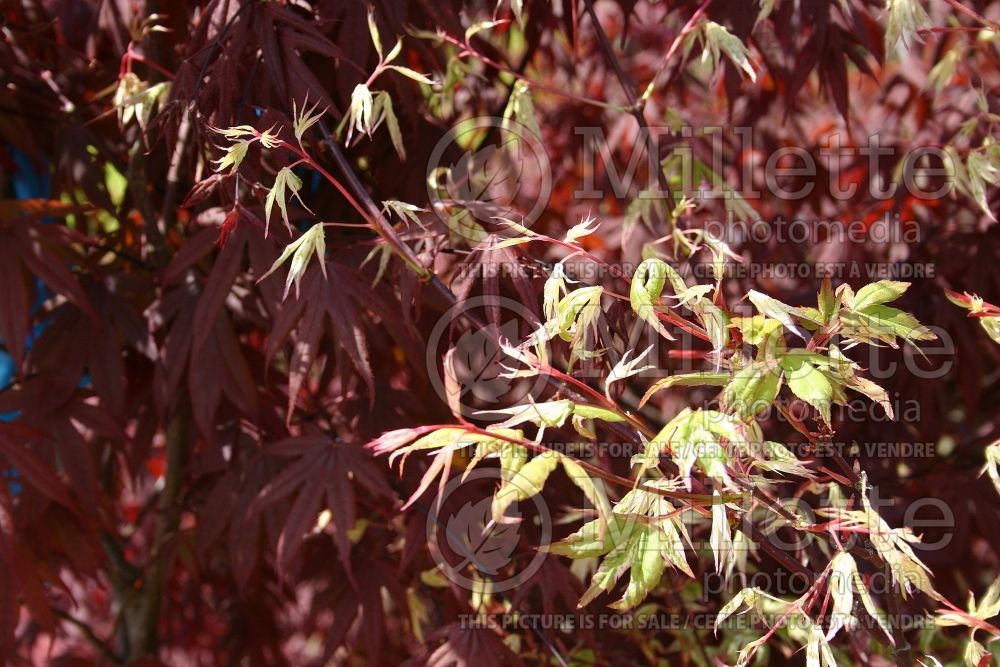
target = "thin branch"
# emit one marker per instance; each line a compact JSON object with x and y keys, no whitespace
{"x":636,"y":105}
{"x":91,"y":636}
{"x":707,"y":499}
{"x":468,"y":50}
{"x":168,"y":211}
{"x":902,"y":650}
{"x":968,"y":11}
{"x":144,"y":621}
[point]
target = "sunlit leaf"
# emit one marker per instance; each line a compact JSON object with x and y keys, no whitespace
{"x":301,"y":250}
{"x":809,"y":383}
{"x":284,"y":180}
{"x":527,"y":482}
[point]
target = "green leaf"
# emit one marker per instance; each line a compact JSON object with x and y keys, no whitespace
{"x":306,"y":118}
{"x":412,"y":74}
{"x":721,"y":539}
{"x":577,"y":311}
{"x":581,"y":229}
{"x":404,"y":210}
{"x":906,"y":17}
{"x":718,"y":38}
{"x":583,"y":481}
{"x":301,"y":250}
{"x":676,"y":430}
{"x":890,"y":322}
{"x":974,"y":654}
{"x":992,"y":464}
{"x":646,"y":568}
{"x":394,"y":52}
{"x":591,"y":541}
{"x":512,"y":455}
{"x":747,"y":596}
{"x":235,"y":153}
{"x":584,"y":427}
{"x":808,"y":383}
{"x":553,"y":291}
{"x":991,"y":325}
{"x":692,"y":294}
{"x":981,"y":170}
{"x":609,"y":571}
{"x":594,"y":412}
{"x":841,"y":583}
{"x":521,"y":108}
{"x":872,"y":391}
{"x":269,"y":138}
{"x":869,"y":603}
{"x":716,"y":324}
{"x":672,"y":543}
{"x":828,"y":301}
{"x":755,"y":330}
{"x":975,"y":304}
{"x":878,"y":293}
{"x":236,"y":132}
{"x":596,"y":538}
{"x":752,"y":390}
{"x":392,"y":123}
{"x":373,"y":31}
{"x":646,"y":288}
{"x":818,"y":653}
{"x":776,"y":310}
{"x":527,"y":482}
{"x":360,"y":112}
{"x":942,"y":73}
{"x":626,"y":368}
{"x":512,"y":459}
{"x":549,"y":413}
{"x":694,"y":437}
{"x":517,"y":6}
{"x":476,"y":28}
{"x":285,"y":179}
{"x":782,"y":461}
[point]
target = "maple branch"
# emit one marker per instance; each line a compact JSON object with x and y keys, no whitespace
{"x":685,"y":31}
{"x":142,"y":632}
{"x":636,"y":105}
{"x":91,"y":636}
{"x":779,"y":555}
{"x":368,"y":209}
{"x":135,"y":175}
{"x":968,"y":11}
{"x":894,"y":597}
{"x":902,"y":650}
{"x":469,"y":50}
{"x":607,"y":476}
{"x":214,"y":47}
{"x":168,"y":212}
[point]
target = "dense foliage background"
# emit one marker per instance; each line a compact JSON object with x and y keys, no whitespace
{"x":186,"y":479}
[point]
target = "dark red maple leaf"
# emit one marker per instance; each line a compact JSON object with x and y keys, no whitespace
{"x":323,"y":475}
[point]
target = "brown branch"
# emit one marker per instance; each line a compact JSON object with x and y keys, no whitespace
{"x":894,"y":600}
{"x":636,"y":105}
{"x":168,"y":210}
{"x":968,"y":11}
{"x":154,"y":249}
{"x":91,"y":636}
{"x":141,"y":630}
{"x":902,"y":650}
